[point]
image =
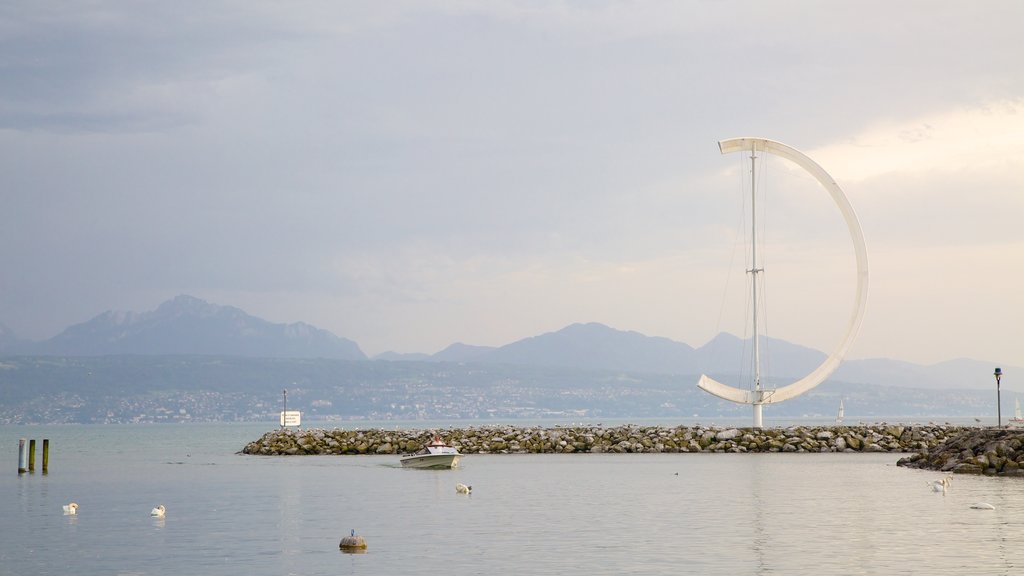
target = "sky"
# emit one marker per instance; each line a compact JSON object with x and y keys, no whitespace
{"x":413,"y":174}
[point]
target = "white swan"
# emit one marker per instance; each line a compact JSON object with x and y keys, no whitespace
{"x":940,"y":485}
{"x":159,"y":511}
{"x":463,"y":489}
{"x":982,"y":506}
{"x":71,"y":509}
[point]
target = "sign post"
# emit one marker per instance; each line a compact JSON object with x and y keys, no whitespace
{"x":291,"y":418}
{"x":999,"y":405}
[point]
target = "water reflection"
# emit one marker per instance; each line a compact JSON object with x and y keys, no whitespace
{"x":760,"y":540}
{"x":597,"y":514}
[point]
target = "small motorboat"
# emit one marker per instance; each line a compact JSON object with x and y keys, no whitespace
{"x":437,"y":454}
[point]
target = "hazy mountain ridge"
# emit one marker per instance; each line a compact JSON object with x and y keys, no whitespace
{"x":594,"y":346}
{"x":189,"y":360}
{"x":190,"y":326}
{"x":460,"y":352}
{"x":597,"y":347}
{"x":962,"y":373}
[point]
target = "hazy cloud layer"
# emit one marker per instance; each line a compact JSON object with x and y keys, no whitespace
{"x":411,"y":174}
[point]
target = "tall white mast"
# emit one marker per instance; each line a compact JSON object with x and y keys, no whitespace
{"x":754,"y":271}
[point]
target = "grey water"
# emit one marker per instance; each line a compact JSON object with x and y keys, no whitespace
{"x":528,"y":514}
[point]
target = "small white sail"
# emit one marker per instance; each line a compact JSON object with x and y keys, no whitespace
{"x":841,"y":413}
{"x":1016,"y":421}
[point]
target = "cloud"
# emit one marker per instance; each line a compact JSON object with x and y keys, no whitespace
{"x":407,"y":174}
{"x":978,"y":138}
{"x":939,"y":198}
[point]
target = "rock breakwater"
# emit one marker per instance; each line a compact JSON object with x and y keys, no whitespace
{"x":597,"y":439}
{"x":991,"y":451}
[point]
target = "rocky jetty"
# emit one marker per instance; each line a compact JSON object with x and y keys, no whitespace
{"x":621,"y":439}
{"x":991,"y":451}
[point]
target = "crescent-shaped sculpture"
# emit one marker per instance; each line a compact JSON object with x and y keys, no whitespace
{"x":758,"y":397}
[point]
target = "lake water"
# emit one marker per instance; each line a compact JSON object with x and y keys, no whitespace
{"x":528,"y":514}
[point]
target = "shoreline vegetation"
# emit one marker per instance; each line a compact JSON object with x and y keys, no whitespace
{"x":949,"y":448}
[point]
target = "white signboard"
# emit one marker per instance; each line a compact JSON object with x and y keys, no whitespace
{"x":291,"y":418}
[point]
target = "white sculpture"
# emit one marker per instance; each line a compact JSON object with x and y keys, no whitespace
{"x":759,"y":396}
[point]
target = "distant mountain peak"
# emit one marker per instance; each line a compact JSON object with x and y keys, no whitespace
{"x":460,"y":352}
{"x":595,"y":346}
{"x":186,"y":305}
{"x":118,"y":317}
{"x":184,"y":301}
{"x":587,"y":327}
{"x":189,"y":325}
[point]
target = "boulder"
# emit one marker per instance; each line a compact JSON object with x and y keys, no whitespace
{"x":729,"y":434}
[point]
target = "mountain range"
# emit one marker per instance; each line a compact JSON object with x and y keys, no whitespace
{"x":186,"y":325}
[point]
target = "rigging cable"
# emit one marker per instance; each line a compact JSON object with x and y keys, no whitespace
{"x":740,"y":232}
{"x":747,"y":350}
{"x":763,"y":304}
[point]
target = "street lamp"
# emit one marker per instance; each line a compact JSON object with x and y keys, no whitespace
{"x":999,"y":406}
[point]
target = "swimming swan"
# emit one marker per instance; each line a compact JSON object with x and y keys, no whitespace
{"x":940,"y":485}
{"x":159,"y":511}
{"x":71,"y":509}
{"x":463,"y":489}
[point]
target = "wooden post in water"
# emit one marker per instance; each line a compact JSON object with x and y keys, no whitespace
{"x":22,"y":455}
{"x":32,"y":455}
{"x":46,"y":454}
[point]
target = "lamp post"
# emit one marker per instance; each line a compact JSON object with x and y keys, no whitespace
{"x":999,"y":406}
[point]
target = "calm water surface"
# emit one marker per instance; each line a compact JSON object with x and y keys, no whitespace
{"x":528,"y":514}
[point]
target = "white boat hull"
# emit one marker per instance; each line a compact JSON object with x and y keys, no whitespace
{"x":431,"y":461}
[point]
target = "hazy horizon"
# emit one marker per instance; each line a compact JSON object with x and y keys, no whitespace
{"x":137,"y":315}
{"x":409,"y":175}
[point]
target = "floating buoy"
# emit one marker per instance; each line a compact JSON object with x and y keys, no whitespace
{"x":353,"y":543}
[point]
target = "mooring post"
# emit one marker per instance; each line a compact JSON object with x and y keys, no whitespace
{"x":22,"y":456}
{"x":32,"y":455}
{"x":46,"y":454}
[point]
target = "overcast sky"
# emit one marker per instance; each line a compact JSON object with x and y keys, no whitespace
{"x":413,"y":174}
